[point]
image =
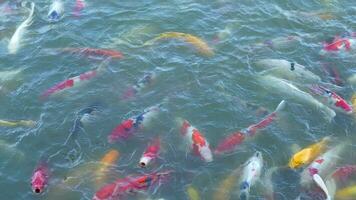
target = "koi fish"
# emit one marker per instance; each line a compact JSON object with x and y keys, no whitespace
{"x":139,"y":86}
{"x":332,"y":99}
{"x":128,"y":127}
{"x":79,"y":6}
{"x":322,"y":165}
{"x":129,"y":185}
{"x":28,"y":123}
{"x":151,"y":153}
{"x":352,"y":79}
{"x":334,"y":75}
{"x":353,"y":100}
{"x":9,"y":75}
{"x":231,"y":142}
{"x":96,"y":52}
{"x":308,"y":154}
{"x":280,"y":43}
{"x":192,"y":193}
{"x":348,"y":193}
{"x":55,"y":11}
{"x":201,"y":46}
{"x":74,"y":81}
{"x":291,"y":71}
{"x":340,"y":175}
{"x":250,"y":174}
{"x":287,"y":89}
{"x":225,"y":187}
{"x":15,"y":40}
{"x":108,"y":160}
{"x":40,"y":178}
{"x":196,"y":141}
{"x":339,"y":44}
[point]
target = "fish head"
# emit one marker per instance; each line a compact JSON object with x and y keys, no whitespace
{"x":258,"y":156}
{"x":38,"y":182}
{"x":244,"y":190}
{"x":299,"y":158}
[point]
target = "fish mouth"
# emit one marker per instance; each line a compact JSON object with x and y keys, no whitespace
{"x":37,"y":190}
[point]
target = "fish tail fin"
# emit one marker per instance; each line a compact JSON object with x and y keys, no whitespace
{"x":150,"y":42}
{"x":320,"y":182}
{"x":280,"y":106}
{"x":29,"y":20}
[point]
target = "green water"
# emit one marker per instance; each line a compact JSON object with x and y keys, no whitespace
{"x":207,"y":91}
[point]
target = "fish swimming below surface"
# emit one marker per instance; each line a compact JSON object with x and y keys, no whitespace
{"x":140,"y":85}
{"x":113,"y":54}
{"x":16,"y":38}
{"x":347,"y":193}
{"x":193,"y":193}
{"x":79,"y":7}
{"x":109,"y":159}
{"x":56,"y":11}
{"x":201,"y":46}
{"x":28,"y":123}
{"x":40,"y":178}
{"x":226,"y":186}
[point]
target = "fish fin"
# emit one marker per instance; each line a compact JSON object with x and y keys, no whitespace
{"x":280,"y":106}
{"x":320,"y":182}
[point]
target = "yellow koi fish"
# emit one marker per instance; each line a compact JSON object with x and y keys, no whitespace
{"x":353,"y":101}
{"x":28,"y":123}
{"x":193,"y":194}
{"x":348,"y":193}
{"x":226,"y":186}
{"x":201,"y":46}
{"x":307,"y":155}
{"x":108,"y":160}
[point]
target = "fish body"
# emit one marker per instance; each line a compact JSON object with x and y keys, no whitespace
{"x":231,"y":142}
{"x":39,"y":178}
{"x":96,"y":52}
{"x":15,"y":40}
{"x":192,"y":193}
{"x":288,"y":70}
{"x":129,"y":185}
{"x":340,"y":175}
{"x":79,"y":6}
{"x":340,"y":44}
{"x":250,"y":174}
{"x":348,"y":193}
{"x":201,"y":46}
{"x":9,"y":75}
{"x":28,"y":123}
{"x":128,"y":127}
{"x":225,"y":188}
{"x":308,"y":154}
{"x":55,"y":11}
{"x":289,"y":90}
{"x":151,"y":153}
{"x":196,"y":141}
{"x":108,"y":160}
{"x":322,"y":165}
{"x":281,"y":43}
{"x":332,"y":99}
{"x":141,"y":84}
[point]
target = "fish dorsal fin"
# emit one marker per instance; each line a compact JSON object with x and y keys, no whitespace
{"x":320,"y":182}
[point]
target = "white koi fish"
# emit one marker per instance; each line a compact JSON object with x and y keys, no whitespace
{"x":288,"y":70}
{"x":250,"y":174}
{"x":15,"y":40}
{"x":55,"y":11}
{"x":287,"y":89}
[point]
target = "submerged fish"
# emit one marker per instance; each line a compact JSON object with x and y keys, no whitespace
{"x":251,"y":172}
{"x":308,"y":154}
{"x":139,"y":86}
{"x":201,"y":46}
{"x":39,"y":178}
{"x":96,"y":52}
{"x":291,"y":71}
{"x":348,"y":193}
{"x":231,"y":142}
{"x":28,"y":123}
{"x":193,"y":193}
{"x":9,"y":75}
{"x":290,"y":91}
{"x":352,"y":79}
{"x":79,"y":6}
{"x":196,"y":141}
{"x":108,"y":160}
{"x":151,"y":153}
{"x":280,"y":43}
{"x":15,"y":40}
{"x":121,"y":188}
{"x":226,"y":186}
{"x":128,"y":127}
{"x":55,"y":11}
{"x":339,"y":45}
{"x":332,"y":99}
{"x":341,"y":175}
{"x":74,"y":81}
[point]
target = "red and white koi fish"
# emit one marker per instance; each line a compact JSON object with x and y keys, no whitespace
{"x":96,"y":52}
{"x":139,"y":86}
{"x":250,"y":174}
{"x":338,"y":45}
{"x":332,"y":99}
{"x":196,"y":141}
{"x":74,"y":81}
{"x":121,"y":188}
{"x":151,"y":153}
{"x":130,"y":126}
{"x":15,"y":40}
{"x":39,"y":178}
{"x":334,"y":74}
{"x":79,"y":6}
{"x":341,"y":175}
{"x":231,"y":142}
